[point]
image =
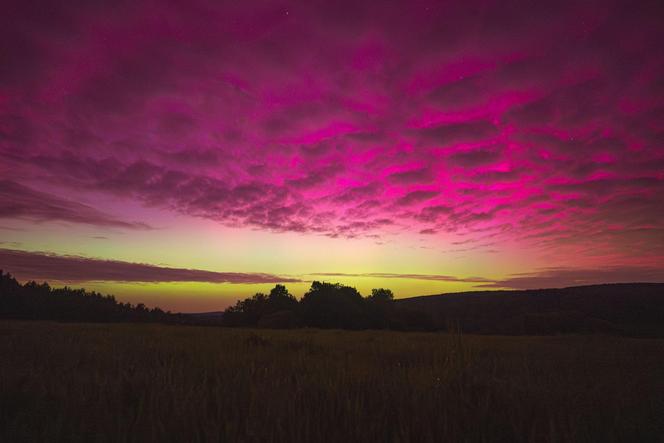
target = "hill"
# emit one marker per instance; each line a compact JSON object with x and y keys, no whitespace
{"x":627,"y":309}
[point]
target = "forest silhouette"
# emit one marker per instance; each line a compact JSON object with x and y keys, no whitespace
{"x":634,"y":309}
{"x":39,"y":301}
{"x":325,"y":305}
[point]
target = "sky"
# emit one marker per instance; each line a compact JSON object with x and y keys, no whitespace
{"x":185,"y":154}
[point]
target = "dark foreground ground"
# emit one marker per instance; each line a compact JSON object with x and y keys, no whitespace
{"x":136,"y":382}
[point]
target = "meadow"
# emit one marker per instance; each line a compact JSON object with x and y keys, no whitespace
{"x":149,"y":382}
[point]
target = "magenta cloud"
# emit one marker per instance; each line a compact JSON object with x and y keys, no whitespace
{"x":539,"y":123}
{"x":67,"y":268}
{"x":20,"y":202}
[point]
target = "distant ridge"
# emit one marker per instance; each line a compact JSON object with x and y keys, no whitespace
{"x":212,"y":318}
{"x":623,"y":308}
{"x":204,"y":314}
{"x":520,"y":291}
{"x":631,"y":309}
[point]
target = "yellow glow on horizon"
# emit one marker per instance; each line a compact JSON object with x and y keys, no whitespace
{"x":202,"y":244}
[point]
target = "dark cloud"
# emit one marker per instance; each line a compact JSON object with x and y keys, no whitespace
{"x":327,"y":118}
{"x":416,"y":197}
{"x":358,"y":193}
{"x":18,"y":201}
{"x":474,"y":158}
{"x":432,"y":213}
{"x":66,"y":268}
{"x":468,"y":92}
{"x":449,"y":134}
{"x":430,"y":277}
{"x":414,"y":176}
{"x":317,"y":177}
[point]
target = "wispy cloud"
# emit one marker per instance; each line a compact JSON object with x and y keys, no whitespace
{"x":21,"y":202}
{"x":544,"y":278}
{"x":430,"y":277}
{"x":27,"y":265}
{"x":66,"y":268}
{"x":560,"y":277}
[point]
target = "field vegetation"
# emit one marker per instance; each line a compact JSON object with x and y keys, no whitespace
{"x":151,"y":382}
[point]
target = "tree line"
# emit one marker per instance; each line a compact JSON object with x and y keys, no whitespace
{"x":635,"y":309}
{"x":324,"y":305}
{"x":39,"y":301}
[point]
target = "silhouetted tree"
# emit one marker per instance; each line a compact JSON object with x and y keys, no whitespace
{"x":38,"y":301}
{"x":381,"y":294}
{"x":327,"y":305}
{"x":380,"y":308}
{"x":280,"y":299}
{"x":324,"y":305}
{"x":250,"y":311}
{"x":247,"y":312}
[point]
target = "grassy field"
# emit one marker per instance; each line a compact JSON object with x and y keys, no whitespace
{"x":117,"y":382}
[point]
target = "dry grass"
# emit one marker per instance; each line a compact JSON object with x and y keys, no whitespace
{"x":73,"y":382}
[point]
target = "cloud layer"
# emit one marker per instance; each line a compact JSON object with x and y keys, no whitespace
{"x":544,"y":278}
{"x":430,"y":277}
{"x":43,"y":266}
{"x":492,"y":121}
{"x":20,"y":202}
{"x":65,"y":268}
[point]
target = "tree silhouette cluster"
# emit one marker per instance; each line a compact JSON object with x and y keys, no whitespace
{"x":633,"y":309}
{"x":324,"y":305}
{"x":38,"y":301}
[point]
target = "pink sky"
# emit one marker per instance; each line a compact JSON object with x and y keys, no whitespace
{"x":499,"y":144}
